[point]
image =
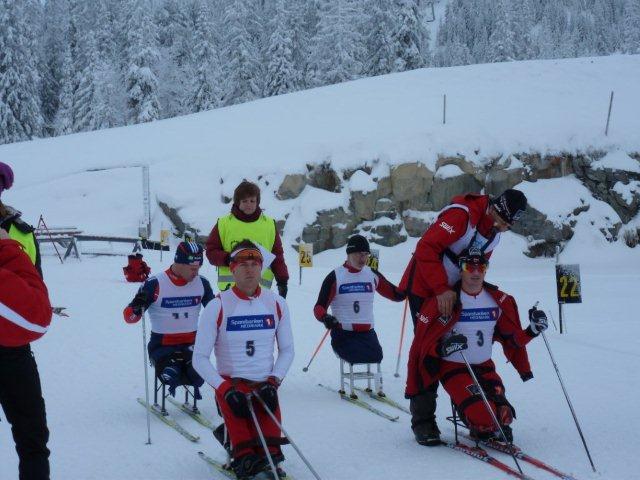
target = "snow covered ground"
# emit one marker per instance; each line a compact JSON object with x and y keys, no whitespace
{"x":91,"y":368}
{"x":91,"y":363}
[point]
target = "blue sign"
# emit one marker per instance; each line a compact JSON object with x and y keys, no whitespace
{"x":357,"y":287}
{"x":180,"y":302}
{"x":250,"y":322}
{"x":479,"y":315}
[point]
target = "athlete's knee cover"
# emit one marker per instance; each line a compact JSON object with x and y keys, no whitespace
{"x":192,"y":376}
{"x":356,"y":347}
{"x":477,"y":417}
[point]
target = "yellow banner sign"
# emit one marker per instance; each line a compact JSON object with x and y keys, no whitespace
{"x":305,"y":255}
{"x":164,"y":237}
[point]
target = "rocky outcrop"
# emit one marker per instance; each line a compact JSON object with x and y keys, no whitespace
{"x":384,"y":231}
{"x":411,"y":185}
{"x":324,"y":177}
{"x":602,"y":184}
{"x":182,"y":228}
{"x":291,"y":186}
{"x":389,"y":204}
{"x":331,"y":229}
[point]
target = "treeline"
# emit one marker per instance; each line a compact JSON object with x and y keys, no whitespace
{"x":77,"y":65}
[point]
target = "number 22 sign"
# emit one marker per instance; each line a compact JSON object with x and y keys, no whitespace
{"x":568,"y":283}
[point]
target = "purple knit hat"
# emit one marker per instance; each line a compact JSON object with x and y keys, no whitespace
{"x":6,"y":177}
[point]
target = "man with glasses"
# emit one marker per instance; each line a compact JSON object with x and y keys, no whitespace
{"x":483,"y":314}
{"x":469,"y":221}
{"x":349,"y":290}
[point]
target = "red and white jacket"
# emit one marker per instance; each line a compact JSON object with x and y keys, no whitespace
{"x":25,"y":311}
{"x":424,"y":363}
{"x":426,"y":275}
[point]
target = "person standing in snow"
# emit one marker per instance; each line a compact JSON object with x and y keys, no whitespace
{"x":246,"y":221}
{"x":241,"y":327}
{"x":25,"y":315}
{"x":349,"y":290}
{"x":468,"y":221}
{"x":11,"y":221}
{"x":481,"y":315}
{"x":173,"y":300}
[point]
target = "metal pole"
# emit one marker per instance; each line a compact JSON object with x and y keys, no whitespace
{"x":566,"y":395}
{"x":50,"y":237}
{"x":491,"y":412}
{"x":300,"y":276}
{"x":146,"y":377}
{"x":561,"y":323}
{"x":146,"y":198}
{"x":306,"y":369}
{"x":279,"y":425}
{"x":404,"y":320}
{"x":262,"y":440}
{"x":606,"y":130}
{"x":444,"y":109}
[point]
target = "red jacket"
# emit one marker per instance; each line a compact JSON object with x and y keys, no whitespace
{"x":425,"y":275}
{"x":25,"y":311}
{"x":424,"y":363}
{"x":218,"y":257}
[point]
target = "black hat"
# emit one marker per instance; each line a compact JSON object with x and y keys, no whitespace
{"x":472,"y":255}
{"x":510,"y":205}
{"x":356,"y":244}
{"x":189,"y":253}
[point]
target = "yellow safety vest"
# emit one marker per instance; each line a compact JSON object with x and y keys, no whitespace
{"x":27,"y":241}
{"x":232,"y":231}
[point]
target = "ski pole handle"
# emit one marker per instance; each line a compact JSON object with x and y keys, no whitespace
{"x":306,"y":369}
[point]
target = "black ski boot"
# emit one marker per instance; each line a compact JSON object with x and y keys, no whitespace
{"x":423,"y":419}
{"x":248,"y":466}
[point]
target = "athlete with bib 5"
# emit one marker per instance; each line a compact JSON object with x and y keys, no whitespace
{"x":483,"y":314}
{"x":241,"y":327}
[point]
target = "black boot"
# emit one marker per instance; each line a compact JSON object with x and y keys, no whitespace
{"x":423,"y":418}
{"x":248,"y":466}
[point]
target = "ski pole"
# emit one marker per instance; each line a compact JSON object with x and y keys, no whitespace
{"x":279,"y":425}
{"x":566,"y":395}
{"x":404,"y":319}
{"x":306,"y":369}
{"x":262,"y":440}
{"x":146,"y":377}
{"x":491,"y":412}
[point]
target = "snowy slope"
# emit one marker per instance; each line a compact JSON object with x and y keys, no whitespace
{"x":556,"y":105}
{"x":91,"y":363}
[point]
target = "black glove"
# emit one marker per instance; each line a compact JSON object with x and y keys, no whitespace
{"x":537,"y":321}
{"x":455,"y":343}
{"x":237,"y":402}
{"x":139,"y":302}
{"x":268,"y":392}
{"x":329,"y":321}
{"x":282,"y":289}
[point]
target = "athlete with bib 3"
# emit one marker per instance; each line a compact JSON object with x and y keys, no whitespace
{"x":483,"y":314}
